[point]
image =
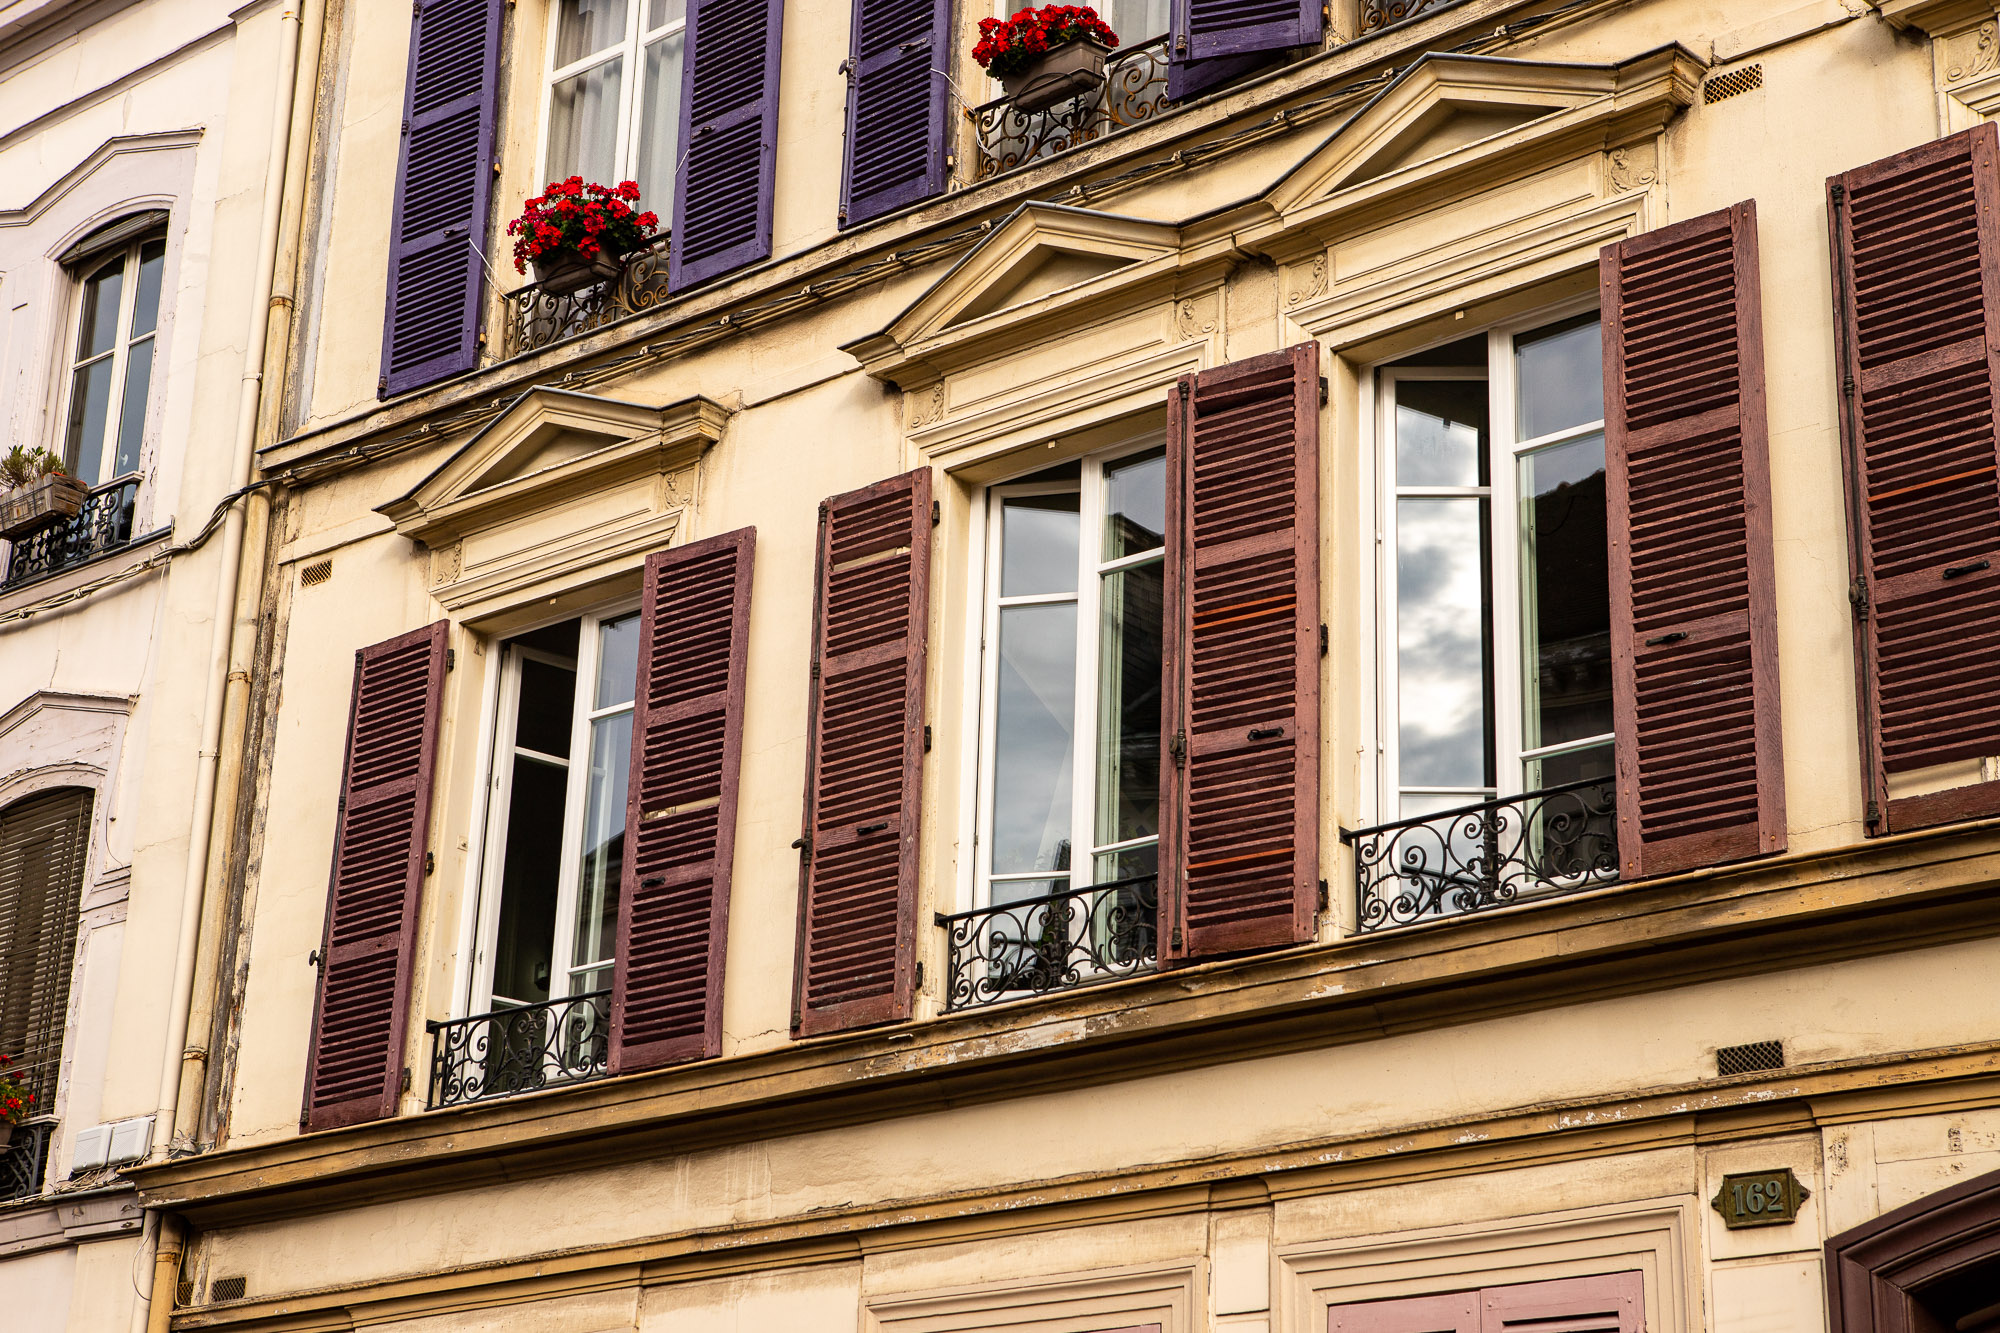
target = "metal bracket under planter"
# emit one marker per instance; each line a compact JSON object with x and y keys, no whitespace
{"x":54,"y":499}
{"x":1061,"y":73}
{"x":568,"y":271}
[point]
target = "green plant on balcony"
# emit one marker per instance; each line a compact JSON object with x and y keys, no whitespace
{"x":35,"y":492}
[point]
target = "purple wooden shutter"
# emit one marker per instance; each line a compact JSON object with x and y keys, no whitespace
{"x":1694,"y":634}
{"x":680,"y":818}
{"x":729,"y":106}
{"x":856,"y":961}
{"x":1205,"y":30}
{"x":895,"y":106}
{"x":1239,"y":837}
{"x":444,"y":186}
{"x":354,"y":1068}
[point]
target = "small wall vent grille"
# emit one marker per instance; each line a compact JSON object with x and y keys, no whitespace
{"x":1734,"y":82}
{"x":318,"y":572}
{"x":227,"y":1288}
{"x":184,"y":1293}
{"x":1750,"y":1058}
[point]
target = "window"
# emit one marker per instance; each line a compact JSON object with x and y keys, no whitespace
{"x":111,"y":370}
{"x":614,"y":101}
{"x":556,"y":818}
{"x":1070,"y":688}
{"x":1495,"y":573}
{"x":1134,"y":21}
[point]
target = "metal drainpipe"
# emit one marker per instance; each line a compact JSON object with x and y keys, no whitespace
{"x":146,"y":1312}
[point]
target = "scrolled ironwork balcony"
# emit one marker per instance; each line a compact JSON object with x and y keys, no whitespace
{"x":1377,"y":14}
{"x":533,"y":318}
{"x":524,"y":1049}
{"x":102,"y":526}
{"x":1478,"y":857}
{"x":1078,"y":937}
{"x":25,"y":1159}
{"x":1133,"y":92}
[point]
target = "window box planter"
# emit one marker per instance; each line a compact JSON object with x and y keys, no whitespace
{"x":1057,"y":75}
{"x":54,"y":499}
{"x":567,"y":271}
{"x":6,"y":1132}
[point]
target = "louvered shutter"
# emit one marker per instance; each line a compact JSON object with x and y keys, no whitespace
{"x":895,"y":107}
{"x":1206,"y":29}
{"x":1917,"y":290}
{"x":729,"y":102}
{"x":1239,"y":844}
{"x":1457,"y":1312}
{"x":680,"y":820}
{"x":444,"y":184}
{"x":864,"y":766}
{"x":1609,"y":1303}
{"x":355,"y":1065}
{"x":1693,"y":627}
{"x":44,"y":845}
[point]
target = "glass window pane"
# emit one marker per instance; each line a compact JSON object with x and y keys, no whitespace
{"x":132,"y":408}
{"x":146,"y":301}
{"x":1553,"y":770}
{"x":530,"y":872}
{"x":659,"y":13}
{"x":89,"y":402}
{"x":659,"y":125}
{"x":1441,"y":433}
{"x":583,"y":123}
{"x":1034,"y":738}
{"x":1560,"y":373}
{"x":1127,"y":863}
{"x":1442,"y":643}
{"x":548,"y":698}
{"x":1565,"y":594}
{"x":1128,"y":713}
{"x":1038,"y":536}
{"x":1136,"y":20}
{"x":586,"y":26}
{"x":617,"y":660}
{"x":1135,"y":505}
{"x":603,"y":838}
{"x":97,"y":327}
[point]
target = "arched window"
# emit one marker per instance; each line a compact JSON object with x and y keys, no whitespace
{"x":118,"y":270}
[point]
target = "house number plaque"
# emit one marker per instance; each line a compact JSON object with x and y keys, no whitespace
{"x":1760,"y":1199}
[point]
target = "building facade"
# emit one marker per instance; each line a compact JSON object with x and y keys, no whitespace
{"x":1338,"y":683}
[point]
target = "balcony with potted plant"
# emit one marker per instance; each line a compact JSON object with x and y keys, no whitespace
{"x":1065,"y":82}
{"x":596,"y":256}
{"x":53,"y":521}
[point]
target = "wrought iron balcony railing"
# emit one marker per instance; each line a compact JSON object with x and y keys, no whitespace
{"x":1133,"y":92}
{"x":525,"y":1049}
{"x":103,"y":525}
{"x":1078,"y":937}
{"x":1381,"y":13}
{"x":533,"y":318}
{"x":1493,"y":854}
{"x":25,"y":1160}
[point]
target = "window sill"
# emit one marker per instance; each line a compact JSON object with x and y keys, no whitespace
{"x":64,"y":584}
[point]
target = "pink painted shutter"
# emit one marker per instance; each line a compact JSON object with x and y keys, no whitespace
{"x":864,"y":764}
{"x":1239,"y":843}
{"x":444,"y":184}
{"x":354,"y":1068}
{"x":1216,"y":40}
{"x":729,"y":106}
{"x":1611,"y":1303}
{"x":1916,"y":261}
{"x":1454,"y":1313}
{"x":895,"y":106}
{"x":1694,"y":636}
{"x":680,"y":816}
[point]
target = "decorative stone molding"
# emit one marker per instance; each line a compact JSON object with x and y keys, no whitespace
{"x":1634,"y":167}
{"x":1129,"y":1298}
{"x":1965,"y":62}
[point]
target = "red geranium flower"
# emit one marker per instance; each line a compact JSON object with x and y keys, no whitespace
{"x":1008,"y":45}
{"x":583,"y":216}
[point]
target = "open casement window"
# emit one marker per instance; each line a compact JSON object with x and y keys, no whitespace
{"x":856,"y":958}
{"x":1217,"y":40}
{"x":1495,"y":626}
{"x":896,"y":102}
{"x":1613,"y":1303}
{"x":111,"y":358}
{"x":614,"y":94}
{"x":444,"y":184}
{"x":1069,"y":738}
{"x":1916,"y":265}
{"x":1694,"y":635}
{"x":354,"y":1069}
{"x":44,"y":844}
{"x":1239,"y":844}
{"x":729,"y":115}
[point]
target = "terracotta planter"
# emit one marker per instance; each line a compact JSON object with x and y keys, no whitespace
{"x":566,"y":271}
{"x":54,"y":499}
{"x":1056,"y":75}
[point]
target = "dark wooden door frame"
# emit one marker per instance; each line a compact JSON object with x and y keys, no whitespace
{"x":1876,"y":1271}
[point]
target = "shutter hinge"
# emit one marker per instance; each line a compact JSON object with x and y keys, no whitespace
{"x":1872,"y":813}
{"x":430,"y":863}
{"x":846,"y":69}
{"x":937,"y":512}
{"x":1847,"y":386}
{"x":927,"y":738}
{"x":812,"y":669}
{"x":920,"y":976}
{"x":1322,"y":639}
{"x":1322,"y":896}
{"x":1180,"y":49}
{"x":1322,"y":391}
{"x":1177,"y":939}
{"x":803,"y":845}
{"x":1177,"y":747}
{"x":1838,"y":194}
{"x":450,"y":658}
{"x":795,"y":1020}
{"x":381,"y":384}
{"x":1857,"y":594}
{"x":1182,"y":388}
{"x":313,"y":959}
{"x":406,"y":1079}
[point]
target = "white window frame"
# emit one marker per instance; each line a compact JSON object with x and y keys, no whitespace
{"x":1505,"y":452}
{"x":497,"y":770}
{"x":631,"y":92}
{"x":79,"y":276}
{"x":977,"y":884}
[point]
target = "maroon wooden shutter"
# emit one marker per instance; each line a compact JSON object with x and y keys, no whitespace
{"x":1610,"y":1303}
{"x":729,"y":108}
{"x":1693,"y":632}
{"x":680,"y":814}
{"x":444,"y":181}
{"x":355,"y":1067}
{"x":1239,"y":838}
{"x":895,"y":106}
{"x":864,"y":764}
{"x":1916,"y":258}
